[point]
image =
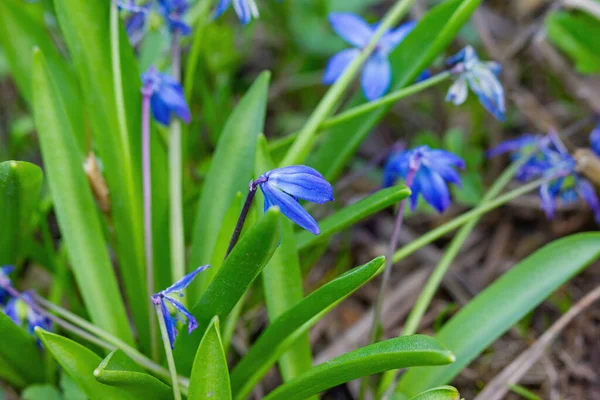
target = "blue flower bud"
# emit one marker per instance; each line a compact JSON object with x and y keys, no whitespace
{"x":166,"y":96}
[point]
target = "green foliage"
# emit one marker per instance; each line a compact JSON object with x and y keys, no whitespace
{"x":41,"y":392}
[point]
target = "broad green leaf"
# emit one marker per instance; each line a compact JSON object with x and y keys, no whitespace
{"x":41,"y":392}
{"x":210,"y":375}
{"x":120,"y":371}
{"x":75,"y":209}
{"x":439,"y":393}
{"x":10,"y":375}
{"x":577,"y":35}
{"x":353,"y":213}
{"x":401,"y":352}
{"x":80,"y":364}
{"x":283,"y":331}
{"x":229,"y":173}
{"x":22,"y":28}
{"x":434,"y":32}
{"x":115,"y":126}
{"x":282,"y":279}
{"x":20,"y":186}
{"x":239,"y":270}
{"x":503,"y":304}
{"x":20,"y":351}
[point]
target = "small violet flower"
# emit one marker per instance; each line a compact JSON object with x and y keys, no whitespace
{"x":377,"y":72}
{"x":481,"y":77}
{"x":166,"y":96}
{"x":5,"y":281}
{"x":426,"y":172}
{"x":595,"y":139}
{"x":245,"y":9}
{"x":163,"y":297}
{"x":19,"y":310}
{"x":283,"y":187}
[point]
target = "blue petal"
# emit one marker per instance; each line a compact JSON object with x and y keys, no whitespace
{"x":438,"y":156}
{"x":489,"y":90}
{"x":547,"y":200}
{"x":376,"y":77}
{"x":595,"y":140}
{"x":512,"y":145}
{"x":290,"y":208}
{"x":185,"y":281}
{"x":192,"y":323}
{"x":434,"y":189}
{"x":11,"y":310}
{"x":337,"y":64}
{"x":135,"y":24}
{"x":160,"y":110}
{"x":587,"y":192}
{"x":352,"y":28}
{"x":222,"y":6}
{"x":169,"y":323}
{"x":302,"y":182}
{"x":396,"y":167}
{"x":173,"y":97}
{"x":458,"y":92}
{"x":244,"y":10}
{"x":390,"y":40}
{"x":415,"y":189}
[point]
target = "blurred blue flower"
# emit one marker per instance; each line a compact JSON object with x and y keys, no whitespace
{"x":245,"y":9}
{"x":161,"y":299}
{"x":481,"y":77}
{"x":166,"y":96}
{"x":5,"y":281}
{"x":135,"y":26}
{"x":283,"y":187}
{"x":173,"y":12}
{"x":19,"y":310}
{"x":526,"y":145}
{"x":431,"y":170}
{"x":595,"y":139}
{"x":377,"y":71}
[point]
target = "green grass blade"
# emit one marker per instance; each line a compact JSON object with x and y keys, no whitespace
{"x":239,"y":270}
{"x":434,"y":32}
{"x":20,"y":351}
{"x":283,"y":331}
{"x":80,"y":363}
{"x":353,"y":213}
{"x":503,"y":304}
{"x":282,"y":280}
{"x":230,"y":172}
{"x":20,"y":187}
{"x":75,"y":209}
{"x":401,"y":352}
{"x":439,"y":393}
{"x":120,"y":371}
{"x":210,"y":375}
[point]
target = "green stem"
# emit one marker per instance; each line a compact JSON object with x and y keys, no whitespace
{"x":303,"y":143}
{"x":168,"y":352}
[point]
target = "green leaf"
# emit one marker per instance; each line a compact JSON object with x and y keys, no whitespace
{"x":439,"y":393}
{"x":41,"y":392}
{"x":401,"y":352}
{"x":115,"y":123}
{"x":239,"y":270}
{"x":283,"y":331}
{"x":210,"y":375}
{"x":503,"y":304}
{"x":229,"y":173}
{"x":75,"y":209}
{"x":80,"y":364}
{"x":576,"y":34}
{"x":120,"y":371}
{"x":10,"y":375}
{"x":20,"y":351}
{"x":430,"y":37}
{"x":282,"y":279}
{"x":350,"y":215}
{"x":20,"y":187}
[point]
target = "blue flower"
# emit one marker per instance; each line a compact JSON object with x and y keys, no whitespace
{"x":161,"y":299}
{"x":526,"y":145}
{"x":173,"y":12}
{"x":19,"y":310}
{"x":166,"y":96}
{"x":377,"y":72}
{"x":283,"y":187}
{"x":426,"y":172}
{"x":135,"y":26}
{"x":5,"y":281}
{"x":245,"y":9}
{"x":595,"y":140}
{"x":481,"y":77}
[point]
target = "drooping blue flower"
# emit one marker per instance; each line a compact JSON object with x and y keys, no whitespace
{"x":432,"y":170}
{"x":283,"y":187}
{"x":163,"y":297}
{"x":245,"y":9}
{"x":166,"y":96}
{"x":5,"y":270}
{"x":20,"y":311}
{"x":526,"y":145}
{"x":173,"y":12}
{"x":377,"y":71}
{"x":481,"y":77}
{"x":595,"y":139}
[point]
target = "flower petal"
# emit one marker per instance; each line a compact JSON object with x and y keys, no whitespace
{"x":547,"y":200}
{"x":337,"y":64}
{"x":587,"y":192}
{"x":352,"y":28}
{"x":595,"y":140}
{"x":458,"y":92}
{"x":169,"y":324}
{"x":434,"y":189}
{"x":303,"y":183}
{"x":486,"y":86}
{"x":185,"y":281}
{"x":191,"y":321}
{"x":243,"y":10}
{"x":160,"y":110}
{"x":376,"y":77}
{"x":390,"y":40}
{"x":290,"y":208}
{"x":512,"y":145}
{"x":172,"y":95}
{"x":222,"y":6}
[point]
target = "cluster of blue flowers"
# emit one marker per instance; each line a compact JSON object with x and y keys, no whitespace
{"x":140,"y":19}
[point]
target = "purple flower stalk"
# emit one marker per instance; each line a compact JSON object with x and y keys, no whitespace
{"x":166,"y":97}
{"x":377,"y":73}
{"x":163,"y":297}
{"x":481,"y":77}
{"x":436,"y":169}
{"x":245,"y":9}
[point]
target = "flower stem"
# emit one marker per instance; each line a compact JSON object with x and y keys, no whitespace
{"x":168,"y":352}
{"x":175,"y":178}
{"x":147,"y":193}
{"x":303,"y":143}
{"x":242,"y":219}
